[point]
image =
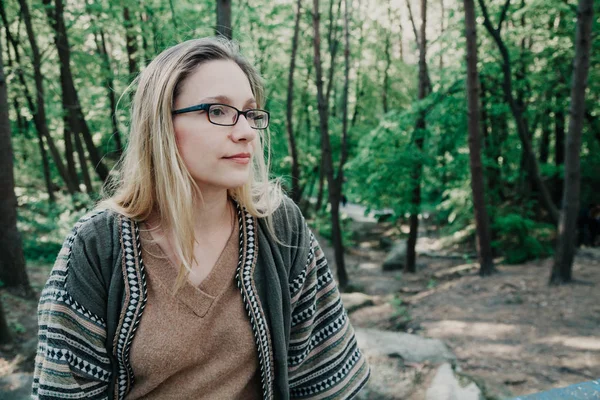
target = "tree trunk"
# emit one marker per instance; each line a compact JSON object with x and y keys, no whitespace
{"x":565,"y":249}
{"x":334,"y":195}
{"x":68,"y":136}
{"x":224,"y":19}
{"x":87,"y":181}
{"x":109,"y":84}
{"x":482,"y":226}
{"x":388,"y":62}
{"x":46,"y":167}
{"x":522,"y":130}
{"x":333,"y":42}
{"x":344,"y":146}
{"x":38,"y":109}
{"x":5,"y":336}
{"x":12,"y":261}
{"x":71,"y":103}
{"x":559,"y":138}
{"x":418,"y":139}
{"x":290,"y":110}
{"x":130,"y":43}
{"x":545,"y":139}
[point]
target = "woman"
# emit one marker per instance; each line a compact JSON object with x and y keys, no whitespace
{"x":197,"y":278}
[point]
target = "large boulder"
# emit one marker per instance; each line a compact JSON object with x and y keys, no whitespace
{"x":447,"y":386}
{"x":16,"y":386}
{"x":356,"y":300}
{"x":398,"y":362}
{"x":396,"y":258}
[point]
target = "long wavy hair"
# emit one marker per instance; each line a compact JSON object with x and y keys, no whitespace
{"x":152,"y":177}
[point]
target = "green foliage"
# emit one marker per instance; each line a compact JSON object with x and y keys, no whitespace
{"x":44,"y":226}
{"x":520,"y":238}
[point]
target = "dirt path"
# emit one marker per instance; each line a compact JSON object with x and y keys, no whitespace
{"x":511,"y":332}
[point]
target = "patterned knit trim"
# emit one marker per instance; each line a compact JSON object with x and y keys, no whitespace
{"x":136,"y":293}
{"x":245,"y":280}
{"x":61,"y":353}
{"x":323,"y":359}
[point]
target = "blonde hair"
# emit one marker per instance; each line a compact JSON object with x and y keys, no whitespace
{"x":153,"y":176}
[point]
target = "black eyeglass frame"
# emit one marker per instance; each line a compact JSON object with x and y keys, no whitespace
{"x":206,"y":107}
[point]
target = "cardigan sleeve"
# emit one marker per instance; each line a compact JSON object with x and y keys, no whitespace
{"x":324,"y":361}
{"x":71,"y":360}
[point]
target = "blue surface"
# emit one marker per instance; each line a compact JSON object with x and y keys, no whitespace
{"x":580,"y":391}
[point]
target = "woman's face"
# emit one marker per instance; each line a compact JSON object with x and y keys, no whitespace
{"x":208,"y":150}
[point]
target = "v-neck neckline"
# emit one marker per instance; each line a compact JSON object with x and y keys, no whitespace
{"x":201,"y":297}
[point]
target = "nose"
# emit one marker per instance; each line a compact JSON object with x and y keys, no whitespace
{"x":242,"y":131}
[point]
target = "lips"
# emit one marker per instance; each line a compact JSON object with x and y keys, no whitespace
{"x":239,"y":156}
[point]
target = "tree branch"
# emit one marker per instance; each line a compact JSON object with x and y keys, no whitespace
{"x":503,"y":14}
{"x":412,"y":22}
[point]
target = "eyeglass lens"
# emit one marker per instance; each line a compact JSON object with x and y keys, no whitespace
{"x":226,"y":115}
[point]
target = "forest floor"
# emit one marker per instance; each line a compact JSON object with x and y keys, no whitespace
{"x":511,"y":332}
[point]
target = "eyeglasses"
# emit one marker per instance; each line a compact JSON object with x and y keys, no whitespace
{"x":225,"y":115}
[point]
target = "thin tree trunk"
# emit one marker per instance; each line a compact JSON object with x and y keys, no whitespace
{"x":290,"y":110}
{"x":522,"y":130}
{"x":333,"y":43}
{"x":46,"y":167}
{"x":334,"y":195}
{"x":482,"y":226}
{"x":38,"y":110}
{"x":344,"y":146}
{"x":109,"y":84}
{"x":71,"y":103}
{"x":443,"y":29}
{"x":68,"y":140}
{"x":565,"y":249}
{"x":388,"y":62}
{"x":130,"y":43}
{"x":224,"y":19}
{"x":418,"y":139}
{"x":12,"y":261}
{"x":5,"y":336}
{"x":87,"y":181}
{"x":559,"y":137}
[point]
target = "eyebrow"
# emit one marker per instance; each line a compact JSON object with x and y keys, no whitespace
{"x":227,"y":100}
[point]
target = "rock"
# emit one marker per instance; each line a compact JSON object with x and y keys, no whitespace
{"x":396,"y":258}
{"x":355,"y":301}
{"x":16,"y":386}
{"x":445,"y":386}
{"x":411,"y":348}
{"x":398,"y":362}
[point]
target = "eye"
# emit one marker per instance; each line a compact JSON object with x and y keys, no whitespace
{"x":217,"y":111}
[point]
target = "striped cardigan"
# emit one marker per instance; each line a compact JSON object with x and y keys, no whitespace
{"x":94,"y":299}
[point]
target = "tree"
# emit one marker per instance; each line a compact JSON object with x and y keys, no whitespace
{"x":327,"y":163}
{"x":38,"y":108}
{"x":484,"y":249}
{"x":565,"y":249}
{"x":418,"y":141}
{"x":507,"y":87}
{"x":74,"y":118}
{"x":224,"y":19}
{"x":292,"y":147}
{"x":12,"y":260}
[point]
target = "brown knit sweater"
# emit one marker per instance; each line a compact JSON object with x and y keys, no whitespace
{"x":197,"y":344}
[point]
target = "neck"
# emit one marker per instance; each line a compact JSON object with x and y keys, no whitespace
{"x":212,"y":210}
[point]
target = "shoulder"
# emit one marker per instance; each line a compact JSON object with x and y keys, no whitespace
{"x":288,"y":222}
{"x":96,"y":224}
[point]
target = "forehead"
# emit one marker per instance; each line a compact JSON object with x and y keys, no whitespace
{"x":212,"y":79}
